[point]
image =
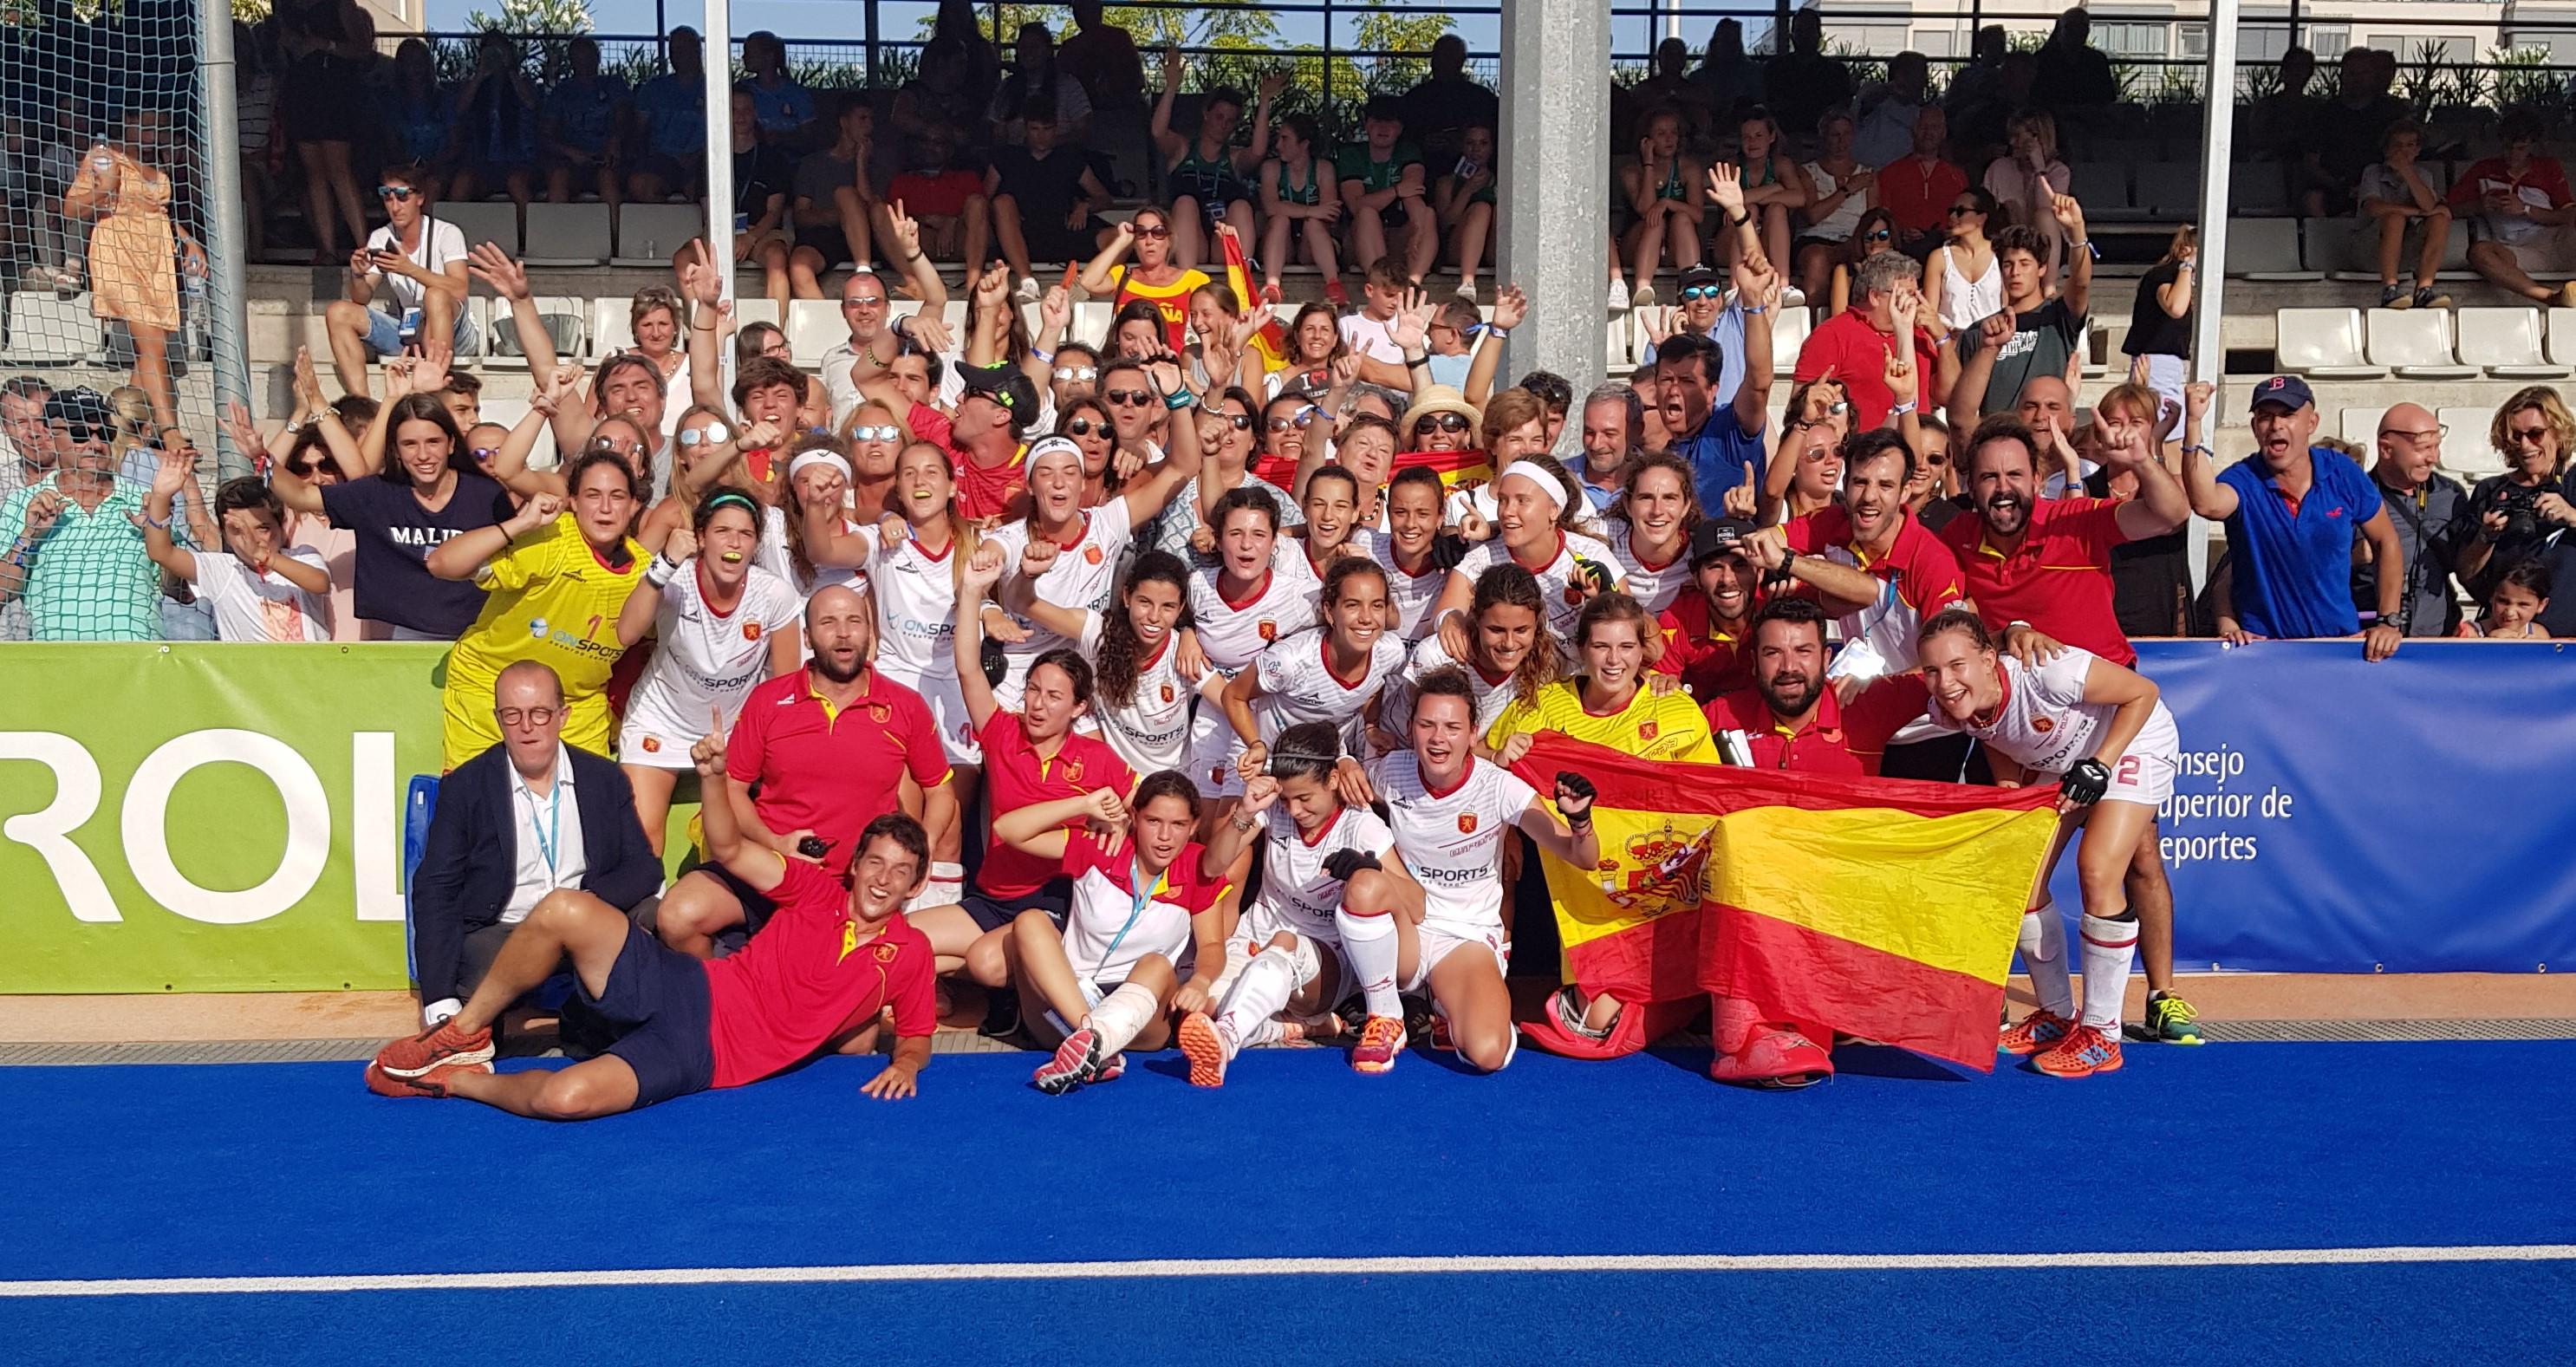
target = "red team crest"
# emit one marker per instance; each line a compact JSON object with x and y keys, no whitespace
{"x":652,"y":745}
{"x":1091,"y":555}
{"x":886,"y":953}
{"x":1269,"y":630}
{"x":751,"y":631}
{"x":1645,"y":730}
{"x":1466,"y":823}
{"x":2043,"y":725}
{"x":880,"y":713}
{"x":1167,"y":693}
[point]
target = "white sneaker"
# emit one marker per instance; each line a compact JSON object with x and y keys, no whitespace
{"x":1645,"y":297}
{"x":1467,"y":290}
{"x":1027,"y":290}
{"x":1618,"y":296}
{"x":1793,"y":298}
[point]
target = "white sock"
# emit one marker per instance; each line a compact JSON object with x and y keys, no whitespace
{"x":1117,"y":1019}
{"x":2043,"y":952}
{"x":1369,"y":943}
{"x":2108,"y":946}
{"x":1265,"y":1031}
{"x":1258,"y":993}
{"x":945,"y":887}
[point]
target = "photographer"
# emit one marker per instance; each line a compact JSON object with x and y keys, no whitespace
{"x":419,"y":261}
{"x":2521,"y":508}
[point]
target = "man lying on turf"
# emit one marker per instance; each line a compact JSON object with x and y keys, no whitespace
{"x":833,"y":958}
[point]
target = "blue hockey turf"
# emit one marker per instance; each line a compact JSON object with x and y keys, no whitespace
{"x":2265,"y":1154}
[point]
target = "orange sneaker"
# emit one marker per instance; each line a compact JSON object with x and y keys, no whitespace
{"x":2084,"y":1052}
{"x":432,"y":1083}
{"x":440,"y":1046}
{"x":1380,"y":1041}
{"x":2037,"y":1032}
{"x":1205,"y":1048}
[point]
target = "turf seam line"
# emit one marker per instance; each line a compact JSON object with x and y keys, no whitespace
{"x":1289,"y":1267}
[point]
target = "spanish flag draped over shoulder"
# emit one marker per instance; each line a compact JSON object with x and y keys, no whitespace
{"x":1882,"y":908}
{"x":1272,"y":340}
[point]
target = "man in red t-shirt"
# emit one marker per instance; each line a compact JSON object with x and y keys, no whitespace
{"x":947,"y":201}
{"x":837,"y":957}
{"x":2522,"y":208}
{"x":1706,"y":629}
{"x":828,"y":748}
{"x":1855,"y":343}
{"x":2047,"y":561}
{"x":1918,"y":189}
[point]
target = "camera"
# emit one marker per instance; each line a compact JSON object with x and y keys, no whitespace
{"x":2520,"y":505}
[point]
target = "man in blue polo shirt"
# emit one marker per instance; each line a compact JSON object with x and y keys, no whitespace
{"x":1723,"y":444}
{"x":2291,"y":509}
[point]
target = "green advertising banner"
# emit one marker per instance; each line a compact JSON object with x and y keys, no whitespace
{"x":206,"y":817}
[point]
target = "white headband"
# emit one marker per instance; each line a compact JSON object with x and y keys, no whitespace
{"x":1548,"y":489}
{"x":818,"y":456}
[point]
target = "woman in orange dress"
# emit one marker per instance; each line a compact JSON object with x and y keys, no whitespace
{"x":134,"y":248}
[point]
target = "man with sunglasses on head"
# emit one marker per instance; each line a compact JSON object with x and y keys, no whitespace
{"x":419,"y":263}
{"x":75,"y":553}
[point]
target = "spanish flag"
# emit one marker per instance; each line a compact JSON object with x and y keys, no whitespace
{"x":1882,"y":908}
{"x":1272,"y":340}
{"x":1457,"y":469}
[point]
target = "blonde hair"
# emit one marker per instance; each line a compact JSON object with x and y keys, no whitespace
{"x":1509,"y":409}
{"x":2134,"y":397}
{"x":2185,"y":238}
{"x":2553,"y":410}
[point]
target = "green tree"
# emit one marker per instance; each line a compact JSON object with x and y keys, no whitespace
{"x":1153,"y":29}
{"x":533,"y":16}
{"x":1406,"y":35}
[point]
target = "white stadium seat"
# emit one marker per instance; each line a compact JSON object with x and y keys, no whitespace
{"x":647,"y":234}
{"x":612,"y":328}
{"x":564,"y":321}
{"x":568,"y":235}
{"x":2466,"y":452}
{"x":2562,"y":336}
{"x":1789,"y":329}
{"x":2323,"y":344}
{"x":2415,"y":343}
{"x":755,"y":308}
{"x":814,"y":326}
{"x":2506,"y":344}
{"x":494,"y":223}
{"x":2266,"y":249}
{"x":2169,"y":190}
{"x":45,"y":329}
{"x":2360,"y":426}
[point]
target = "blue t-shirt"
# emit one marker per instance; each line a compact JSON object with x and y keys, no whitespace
{"x":675,"y":115}
{"x":586,"y":113}
{"x":1721,"y":455}
{"x":783,"y":110}
{"x":2292,"y":562}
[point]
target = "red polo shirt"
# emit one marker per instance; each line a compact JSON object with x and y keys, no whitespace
{"x":1919,"y":196}
{"x":1857,"y":354}
{"x":1709,"y":659}
{"x":982,"y":490}
{"x":1837,"y":740}
{"x":2058,"y":579}
{"x":1925,"y":573}
{"x":827,"y":770}
{"x":807,"y":977}
{"x":1015,"y":776}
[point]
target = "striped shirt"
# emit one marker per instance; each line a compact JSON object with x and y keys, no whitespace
{"x":87,"y":578}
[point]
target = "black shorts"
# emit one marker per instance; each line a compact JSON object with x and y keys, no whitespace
{"x":1942,"y":759}
{"x":756,"y":906}
{"x":828,"y":243}
{"x":993,"y":913}
{"x":657,"y":1003}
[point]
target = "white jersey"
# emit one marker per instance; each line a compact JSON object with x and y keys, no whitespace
{"x":1151,"y":732}
{"x":1653,"y":586}
{"x":1298,"y":685}
{"x":263,"y":606}
{"x":916,"y":593}
{"x":1395,"y":715}
{"x":1233,"y":633}
{"x":2044,"y":724}
{"x":1410,"y":596}
{"x":1556,"y":579}
{"x":1084,"y":575}
{"x":702,"y":659}
{"x":1297,"y":893}
{"x":773,"y":557}
{"x":1452,"y":842}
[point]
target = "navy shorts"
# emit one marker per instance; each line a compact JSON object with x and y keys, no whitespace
{"x":657,"y":1003}
{"x":993,"y":913}
{"x":756,"y":906}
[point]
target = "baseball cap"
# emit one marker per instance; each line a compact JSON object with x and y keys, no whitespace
{"x":1717,"y":536}
{"x":1697,"y":275}
{"x":1005,"y":385}
{"x":2289,"y":391}
{"x":79,"y":406}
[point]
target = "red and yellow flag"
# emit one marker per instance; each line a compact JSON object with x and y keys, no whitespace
{"x":1271,"y":340}
{"x":1457,"y":469}
{"x":1882,"y":908}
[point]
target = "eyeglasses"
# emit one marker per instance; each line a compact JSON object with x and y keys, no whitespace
{"x":1879,"y":235}
{"x":615,"y":447}
{"x":1692,"y":294}
{"x":1077,"y":374}
{"x":1446,"y":422}
{"x":513,"y":718}
{"x":864,"y":301}
{"x":395,"y":192}
{"x":1156,"y":233}
{"x":1242,"y":421}
{"x":1301,"y":418}
{"x":1083,"y":427}
{"x":483,"y":454}
{"x":1128,"y":398}
{"x":876,"y":432}
{"x":713,"y":434}
{"x":2433,"y":433}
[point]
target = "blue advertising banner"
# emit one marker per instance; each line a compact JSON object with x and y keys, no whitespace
{"x":2337,"y":816}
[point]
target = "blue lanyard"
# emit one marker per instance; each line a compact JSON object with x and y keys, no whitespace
{"x":1135,"y":880}
{"x":546,"y":834}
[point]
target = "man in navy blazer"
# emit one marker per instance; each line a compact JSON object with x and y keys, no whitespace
{"x":523,"y":818}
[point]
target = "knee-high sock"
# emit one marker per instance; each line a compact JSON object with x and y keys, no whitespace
{"x":1370,"y":944}
{"x":1257,"y":995}
{"x":1117,"y":1019}
{"x":2043,"y":952}
{"x":2108,"y":947}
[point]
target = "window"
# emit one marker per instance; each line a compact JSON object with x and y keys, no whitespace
{"x":2129,"y":39}
{"x":2192,"y":40}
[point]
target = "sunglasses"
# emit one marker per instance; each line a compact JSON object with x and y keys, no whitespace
{"x":1077,"y":374}
{"x":1446,"y":422}
{"x":876,"y":432}
{"x":1083,"y":427}
{"x":1879,"y":235}
{"x":1156,"y":233}
{"x":615,"y":447}
{"x":83,"y":431}
{"x":1242,"y":421}
{"x":1301,"y":418}
{"x":395,"y":192}
{"x":483,"y":454}
{"x":1692,"y":294}
{"x":1128,"y":398}
{"x":2534,"y":435}
{"x":1958,"y":209}
{"x":713,"y":434}
{"x":866,"y":301}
